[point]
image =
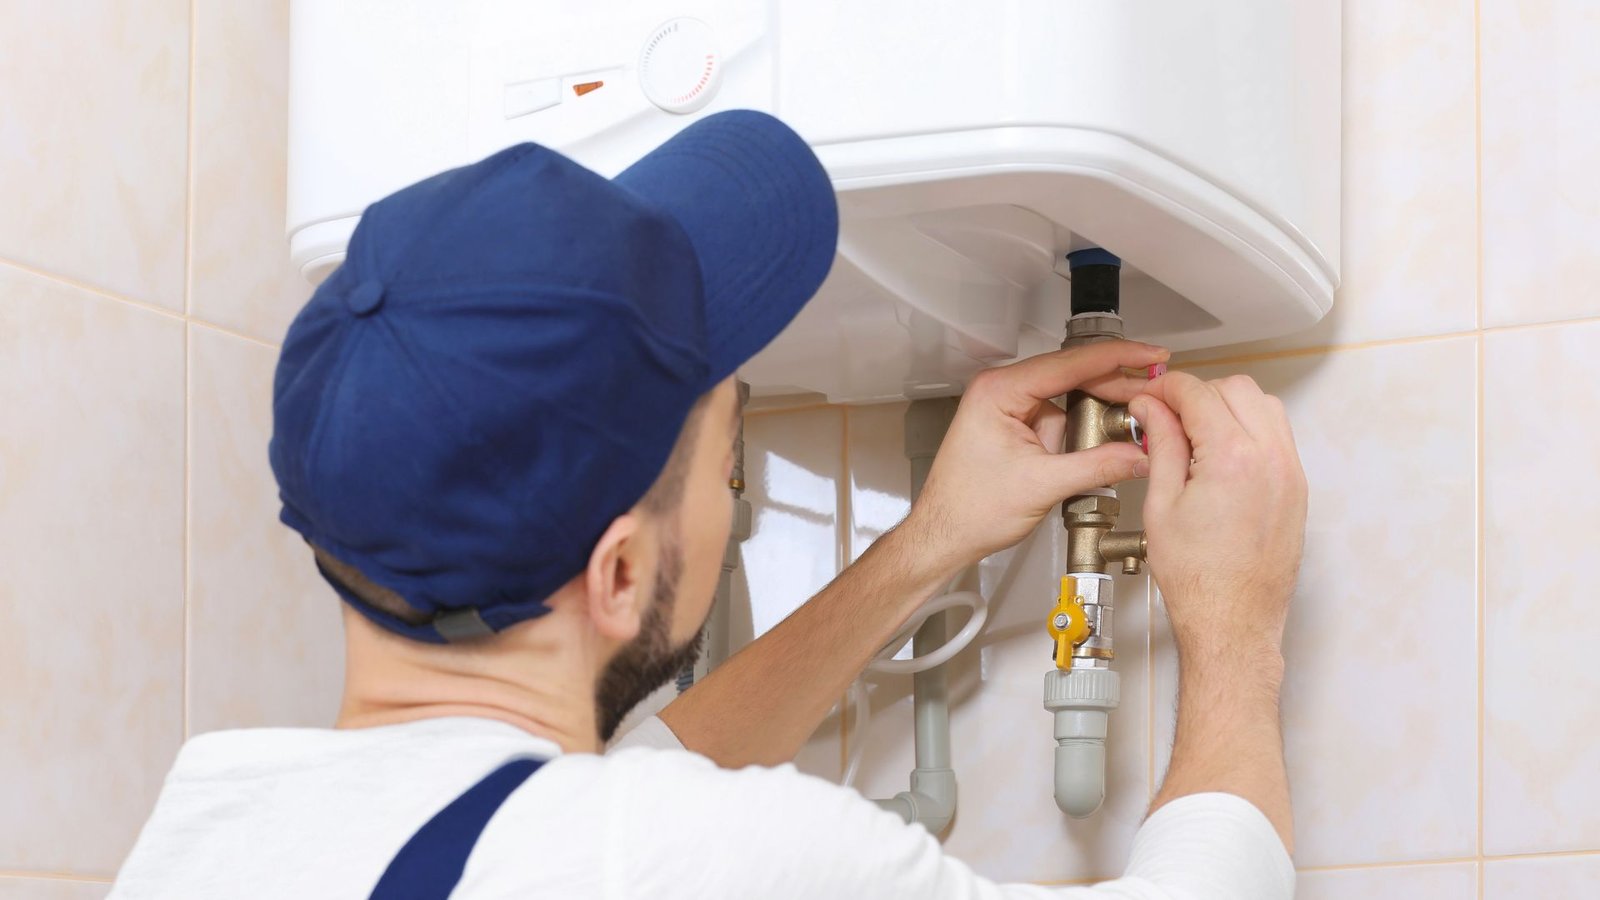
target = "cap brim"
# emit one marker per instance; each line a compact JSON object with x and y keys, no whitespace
{"x":759,"y":210}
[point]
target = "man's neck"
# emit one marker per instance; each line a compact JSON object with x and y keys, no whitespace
{"x":527,"y":677}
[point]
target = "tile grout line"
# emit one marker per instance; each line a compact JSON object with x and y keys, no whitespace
{"x":85,"y":287}
{"x":1480,"y":612}
{"x":188,"y":526}
{"x":53,"y":876}
{"x":1263,"y":356}
{"x":1539,"y":854}
{"x":1482,"y":569}
{"x":1320,"y":350}
{"x":101,"y":294}
{"x":844,"y":530}
{"x":1477,"y":138}
{"x":1398,"y":864}
{"x":188,"y":369}
{"x":1325,"y":349}
{"x":780,"y":410}
{"x":211,"y":326}
{"x":1475,"y":861}
{"x":189,"y":169}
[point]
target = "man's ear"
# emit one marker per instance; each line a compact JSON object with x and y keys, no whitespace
{"x":615,"y":595}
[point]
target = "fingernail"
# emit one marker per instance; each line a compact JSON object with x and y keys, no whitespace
{"x":1141,"y":469}
{"x":1156,"y":371}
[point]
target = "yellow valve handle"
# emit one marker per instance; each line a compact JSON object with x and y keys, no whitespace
{"x":1068,"y":623}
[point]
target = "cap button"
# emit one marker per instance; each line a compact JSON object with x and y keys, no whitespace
{"x":365,"y":299}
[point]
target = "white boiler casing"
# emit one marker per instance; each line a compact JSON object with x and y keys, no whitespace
{"x":971,"y":144}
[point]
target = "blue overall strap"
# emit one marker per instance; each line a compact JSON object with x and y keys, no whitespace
{"x":430,"y":864}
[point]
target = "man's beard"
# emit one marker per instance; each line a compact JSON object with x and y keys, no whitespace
{"x":649,"y":660}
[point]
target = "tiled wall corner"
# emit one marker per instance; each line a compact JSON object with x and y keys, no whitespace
{"x":91,"y":522}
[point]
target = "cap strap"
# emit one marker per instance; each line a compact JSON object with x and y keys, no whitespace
{"x":461,"y":625}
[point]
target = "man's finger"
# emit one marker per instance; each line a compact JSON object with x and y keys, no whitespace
{"x":1205,"y":416}
{"x":1249,"y":405}
{"x":1118,"y":387}
{"x":1066,"y":474}
{"x":1169,"y":449}
{"x":1019,"y":386}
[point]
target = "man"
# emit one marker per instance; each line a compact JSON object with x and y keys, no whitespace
{"x":504,"y":426}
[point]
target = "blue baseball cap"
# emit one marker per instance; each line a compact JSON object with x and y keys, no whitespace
{"x":504,"y":361}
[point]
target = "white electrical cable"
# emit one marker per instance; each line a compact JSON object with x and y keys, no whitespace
{"x":886,"y":663}
{"x":857,"y":696}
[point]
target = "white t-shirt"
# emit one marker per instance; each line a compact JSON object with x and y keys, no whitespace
{"x":303,"y":813}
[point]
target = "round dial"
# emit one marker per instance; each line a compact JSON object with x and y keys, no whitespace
{"x":679,"y":67}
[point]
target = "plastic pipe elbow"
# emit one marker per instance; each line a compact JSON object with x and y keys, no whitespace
{"x":931,"y":800}
{"x":1081,"y":700}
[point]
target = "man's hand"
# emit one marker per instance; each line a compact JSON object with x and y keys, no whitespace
{"x":1000,"y":469}
{"x":1225,"y":530}
{"x":1225,"y":515}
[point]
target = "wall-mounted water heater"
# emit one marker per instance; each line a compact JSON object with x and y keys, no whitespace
{"x":972,"y":146}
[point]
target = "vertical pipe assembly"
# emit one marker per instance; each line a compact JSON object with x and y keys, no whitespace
{"x":1082,"y":689}
{"x":932,"y":797}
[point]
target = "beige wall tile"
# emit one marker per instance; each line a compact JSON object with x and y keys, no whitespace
{"x":1541,"y":625}
{"x":1380,"y":704}
{"x":1409,"y":231}
{"x":91,"y":522}
{"x":1548,"y":878}
{"x":1541,"y":149}
{"x":242,"y":278}
{"x":93,"y":142}
{"x":793,"y":466}
{"x":880,"y":476}
{"x":1007,"y":826}
{"x":1447,"y":882}
{"x":265,"y":639}
{"x":51,"y":889}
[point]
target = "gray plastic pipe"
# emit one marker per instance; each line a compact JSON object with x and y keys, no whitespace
{"x":932,"y":797}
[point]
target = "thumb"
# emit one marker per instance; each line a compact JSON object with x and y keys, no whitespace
{"x":1067,"y":474}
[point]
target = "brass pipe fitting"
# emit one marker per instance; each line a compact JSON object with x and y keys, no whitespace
{"x":1089,"y":519}
{"x":1127,"y":547}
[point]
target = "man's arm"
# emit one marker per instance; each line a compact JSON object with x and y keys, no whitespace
{"x":1225,"y":532}
{"x":997,"y":474}
{"x":760,"y":706}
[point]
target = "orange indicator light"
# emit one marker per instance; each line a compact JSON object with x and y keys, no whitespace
{"x":587,"y":86}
